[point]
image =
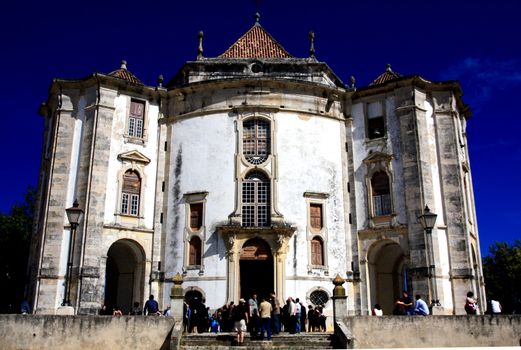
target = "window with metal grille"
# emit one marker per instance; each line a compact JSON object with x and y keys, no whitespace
{"x":317,"y":252}
{"x":194,"y":255}
{"x":256,"y":140}
{"x":318,"y":297}
{"x":130,"y":193}
{"x":256,"y":200}
{"x":135,"y":119}
{"x":381,"y":194}
{"x":196,"y":216}
{"x":315,"y":216}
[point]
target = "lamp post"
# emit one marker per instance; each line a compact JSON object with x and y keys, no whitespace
{"x":428,"y":219}
{"x":74,"y":215}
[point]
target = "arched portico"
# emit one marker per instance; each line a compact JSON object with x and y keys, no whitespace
{"x":241,"y":241}
{"x":388,"y":274}
{"x":125,"y":275}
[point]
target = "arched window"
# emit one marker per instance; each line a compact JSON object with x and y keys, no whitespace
{"x":256,"y":200}
{"x":256,"y":140}
{"x":381,"y":193}
{"x":130,"y":193}
{"x":194,"y":254}
{"x":317,"y":251}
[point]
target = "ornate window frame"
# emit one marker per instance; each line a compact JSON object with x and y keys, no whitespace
{"x":322,"y":233}
{"x":244,"y":167}
{"x":374,"y":163}
{"x":190,"y":198}
{"x":131,"y":161}
{"x":140,"y":140}
{"x":320,"y":289}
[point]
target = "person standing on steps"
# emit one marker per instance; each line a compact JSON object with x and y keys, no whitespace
{"x":240,"y":317}
{"x":265,"y":310}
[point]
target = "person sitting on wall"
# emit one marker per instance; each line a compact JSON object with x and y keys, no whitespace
{"x":136,"y":309}
{"x":151,"y":307}
{"x":407,"y":303}
{"x":420,"y":308}
{"x":377,"y":310}
{"x":471,"y":304}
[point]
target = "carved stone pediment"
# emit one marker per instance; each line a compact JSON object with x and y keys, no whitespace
{"x":134,"y":157}
{"x":378,"y":157}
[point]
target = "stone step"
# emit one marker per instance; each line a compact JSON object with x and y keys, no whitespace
{"x":283,"y":341}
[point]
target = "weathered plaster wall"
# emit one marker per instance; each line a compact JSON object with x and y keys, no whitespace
{"x":201,"y":159}
{"x":84,"y":332}
{"x":434,"y":331}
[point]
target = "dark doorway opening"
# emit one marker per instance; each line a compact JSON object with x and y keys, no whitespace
{"x":124,"y":276}
{"x":256,"y":269}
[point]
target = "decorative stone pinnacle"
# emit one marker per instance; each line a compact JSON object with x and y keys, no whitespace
{"x":123,"y":64}
{"x":160,"y":80}
{"x":338,"y":281}
{"x":178,"y":279}
{"x":311,"y":36}
{"x":257,"y":17}
{"x":200,"y":48}
{"x":388,"y":67}
{"x":339,"y":291}
{"x":352,"y":80}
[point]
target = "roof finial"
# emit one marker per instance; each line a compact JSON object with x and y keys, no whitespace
{"x":257,"y":17}
{"x":388,"y":67}
{"x":200,"y":48}
{"x":311,"y":36}
{"x":123,"y":64}
{"x":352,"y":80}
{"x":160,"y":80}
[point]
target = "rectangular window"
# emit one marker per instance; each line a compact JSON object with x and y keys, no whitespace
{"x":382,"y":204}
{"x":375,"y":120}
{"x":134,"y":203}
{"x":317,"y":257}
{"x":124,"y":203}
{"x":315,"y":216}
{"x":196,"y":216}
{"x":135,"y":119}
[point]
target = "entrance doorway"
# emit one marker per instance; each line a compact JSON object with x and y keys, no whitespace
{"x":124,"y":275}
{"x":388,"y":275}
{"x":256,"y":269}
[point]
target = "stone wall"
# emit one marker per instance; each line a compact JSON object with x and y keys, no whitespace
{"x":84,"y":332}
{"x":433,"y":331}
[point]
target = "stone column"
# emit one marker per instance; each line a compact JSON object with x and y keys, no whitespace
{"x":339,"y":300}
{"x":176,"y":298}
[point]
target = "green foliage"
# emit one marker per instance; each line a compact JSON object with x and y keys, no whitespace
{"x":502,"y":271}
{"x":15,"y":239}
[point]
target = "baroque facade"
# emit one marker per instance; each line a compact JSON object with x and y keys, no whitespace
{"x":255,"y":171}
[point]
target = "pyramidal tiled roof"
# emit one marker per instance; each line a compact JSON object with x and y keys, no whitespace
{"x":256,"y":43}
{"x":386,"y":76}
{"x":123,"y":73}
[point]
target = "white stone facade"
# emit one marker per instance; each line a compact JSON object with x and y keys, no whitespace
{"x":332,"y":182}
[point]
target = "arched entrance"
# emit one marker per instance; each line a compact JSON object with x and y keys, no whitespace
{"x":125,"y":275}
{"x":388,"y":274}
{"x":256,"y":269}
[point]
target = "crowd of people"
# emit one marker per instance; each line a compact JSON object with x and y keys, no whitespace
{"x":262,"y":317}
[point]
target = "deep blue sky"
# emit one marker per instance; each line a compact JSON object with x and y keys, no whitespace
{"x":476,"y":42}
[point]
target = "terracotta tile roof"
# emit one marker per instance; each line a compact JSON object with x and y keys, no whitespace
{"x":386,"y":76}
{"x":256,"y":43}
{"x":123,"y":73}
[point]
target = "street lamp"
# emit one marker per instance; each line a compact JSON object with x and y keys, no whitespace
{"x":428,"y":219}
{"x":74,"y":215}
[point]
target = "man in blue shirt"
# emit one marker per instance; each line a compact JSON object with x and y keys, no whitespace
{"x":420,"y":308}
{"x":151,"y":307}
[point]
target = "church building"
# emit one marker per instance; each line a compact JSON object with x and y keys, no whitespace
{"x":254,"y":172}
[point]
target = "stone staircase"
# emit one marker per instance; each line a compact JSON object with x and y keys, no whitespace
{"x":283,"y":341}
